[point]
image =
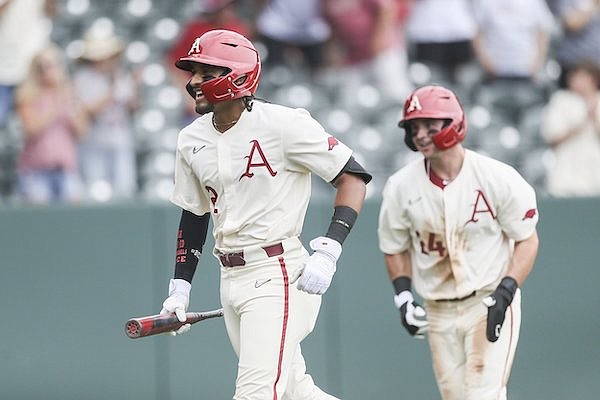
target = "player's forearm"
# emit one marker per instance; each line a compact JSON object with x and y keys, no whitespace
{"x":351,"y":191}
{"x":398,"y":265}
{"x":523,"y":259}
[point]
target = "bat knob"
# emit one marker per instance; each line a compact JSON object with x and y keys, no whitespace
{"x":132,"y":329}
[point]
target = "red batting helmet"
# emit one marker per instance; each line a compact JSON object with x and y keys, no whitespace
{"x":228,"y":49}
{"x":435,"y":102}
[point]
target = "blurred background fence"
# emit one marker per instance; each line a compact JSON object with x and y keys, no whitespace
{"x":71,"y":276}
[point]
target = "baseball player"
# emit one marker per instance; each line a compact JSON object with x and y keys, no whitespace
{"x":461,"y":228}
{"x":248,"y":165}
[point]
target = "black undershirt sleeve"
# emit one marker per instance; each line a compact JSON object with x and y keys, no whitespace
{"x":354,"y":168}
{"x":190,"y":240}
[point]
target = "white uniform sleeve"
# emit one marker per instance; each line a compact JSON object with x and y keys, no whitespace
{"x":309,"y":148}
{"x":518,"y":214}
{"x":187,"y":192}
{"x":393,"y":229}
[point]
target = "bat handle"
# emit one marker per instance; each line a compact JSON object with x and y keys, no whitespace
{"x":193,"y":317}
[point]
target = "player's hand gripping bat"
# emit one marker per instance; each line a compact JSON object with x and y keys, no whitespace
{"x":160,"y":323}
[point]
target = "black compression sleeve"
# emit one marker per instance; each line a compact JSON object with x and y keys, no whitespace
{"x":342,"y":221}
{"x":190,"y":240}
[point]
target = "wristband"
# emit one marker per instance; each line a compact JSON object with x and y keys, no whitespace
{"x":341,"y":222}
{"x":508,"y":286}
{"x":401,"y":284}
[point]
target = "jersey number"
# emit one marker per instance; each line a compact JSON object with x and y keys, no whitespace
{"x":434,"y":243}
{"x":213,"y":198}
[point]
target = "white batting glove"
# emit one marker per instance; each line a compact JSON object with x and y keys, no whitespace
{"x":320,"y":266}
{"x":178,"y":302}
{"x":412,"y":315}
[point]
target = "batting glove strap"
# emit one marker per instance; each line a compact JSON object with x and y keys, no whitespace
{"x":412,"y":315}
{"x":327,"y":246}
{"x":179,"y":286}
{"x":507,"y":288}
{"x":179,"y":298}
{"x":320,"y":266}
{"x":402,"y":298}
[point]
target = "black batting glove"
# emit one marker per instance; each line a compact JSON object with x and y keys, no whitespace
{"x":497,"y":303}
{"x":412,"y":315}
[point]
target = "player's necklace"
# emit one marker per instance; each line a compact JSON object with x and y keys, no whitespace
{"x":223,"y":124}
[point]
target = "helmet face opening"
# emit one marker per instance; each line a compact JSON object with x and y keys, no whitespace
{"x":227,"y":49}
{"x":435,"y":102}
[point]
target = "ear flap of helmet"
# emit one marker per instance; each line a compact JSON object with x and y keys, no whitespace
{"x":408,"y":137}
{"x":450,"y":136}
{"x":190,"y":89}
{"x":226,"y":88}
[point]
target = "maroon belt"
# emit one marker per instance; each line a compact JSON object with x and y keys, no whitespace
{"x":237,"y":259}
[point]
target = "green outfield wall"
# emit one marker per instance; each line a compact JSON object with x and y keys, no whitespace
{"x":71,"y":277}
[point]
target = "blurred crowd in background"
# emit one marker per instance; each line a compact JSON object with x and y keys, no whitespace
{"x":91,"y":104}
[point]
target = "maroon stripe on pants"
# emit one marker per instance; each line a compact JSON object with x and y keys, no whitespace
{"x":286,"y":307}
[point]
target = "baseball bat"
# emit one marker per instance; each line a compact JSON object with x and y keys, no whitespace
{"x":154,"y":324}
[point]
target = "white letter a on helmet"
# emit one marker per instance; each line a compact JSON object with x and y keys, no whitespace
{"x":414,"y":105}
{"x":195,"y":47}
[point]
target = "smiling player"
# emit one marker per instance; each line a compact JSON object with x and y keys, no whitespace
{"x":248,"y":165}
{"x":460,"y":228}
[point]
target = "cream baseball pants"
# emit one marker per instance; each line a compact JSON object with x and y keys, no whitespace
{"x":466,"y":365}
{"x":267,"y":318}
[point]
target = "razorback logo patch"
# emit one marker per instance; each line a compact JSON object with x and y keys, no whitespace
{"x":529,"y":214}
{"x":332,"y":142}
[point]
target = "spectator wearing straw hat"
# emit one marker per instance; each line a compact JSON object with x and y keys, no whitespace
{"x":110,"y":93}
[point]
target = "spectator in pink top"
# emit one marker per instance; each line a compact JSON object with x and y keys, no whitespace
{"x":52,"y":122}
{"x":369,"y":35}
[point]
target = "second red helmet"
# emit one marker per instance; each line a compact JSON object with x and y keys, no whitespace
{"x":435,"y":102}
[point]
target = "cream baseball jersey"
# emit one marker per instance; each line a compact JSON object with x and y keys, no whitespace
{"x":461,"y":237}
{"x":254,"y":179}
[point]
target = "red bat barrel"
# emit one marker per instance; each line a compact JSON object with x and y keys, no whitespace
{"x":154,"y":324}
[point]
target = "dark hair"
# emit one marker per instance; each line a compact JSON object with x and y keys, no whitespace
{"x":588,"y":66}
